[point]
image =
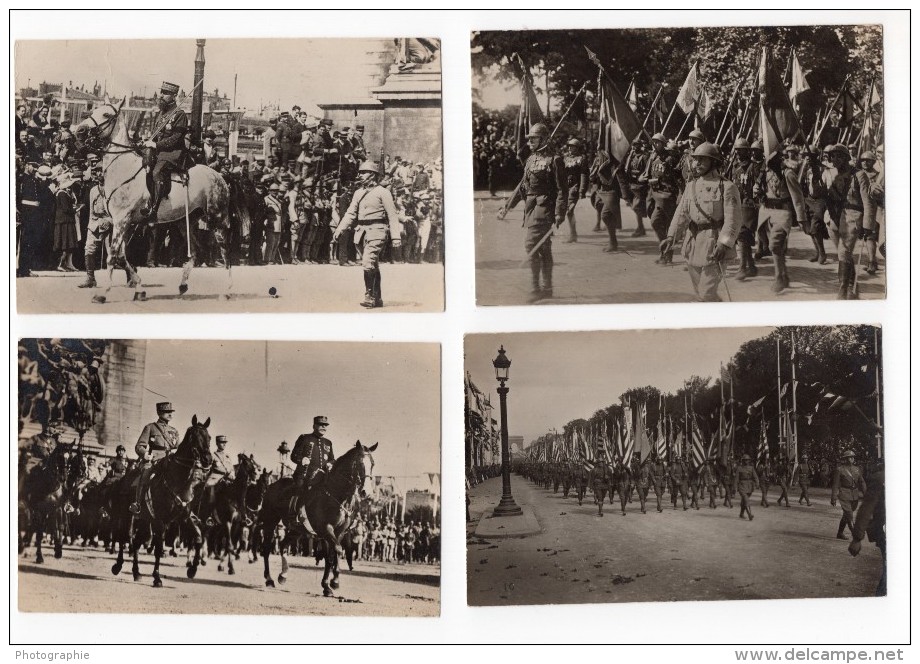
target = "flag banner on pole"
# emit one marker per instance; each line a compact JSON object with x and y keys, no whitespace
{"x":798,"y":83}
{"x":529,"y":113}
{"x":643,"y":444}
{"x":697,"y":444}
{"x":763,"y":447}
{"x":619,"y":124}
{"x":778,"y":120}
{"x":688,"y":94}
{"x":632,"y":96}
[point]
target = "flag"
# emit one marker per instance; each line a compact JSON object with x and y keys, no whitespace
{"x":697,"y":444}
{"x":661,"y":109}
{"x":619,"y":125}
{"x":798,"y":83}
{"x":763,"y":448}
{"x":643,"y":445}
{"x":529,"y":113}
{"x":632,"y":96}
{"x":705,"y":107}
{"x":778,"y":120}
{"x":661,"y":442}
{"x":873,"y":97}
{"x":689,"y":93}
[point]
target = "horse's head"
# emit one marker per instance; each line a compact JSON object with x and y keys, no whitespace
{"x":96,"y":130}
{"x":247,"y":467}
{"x":77,"y":466}
{"x":364,"y":463}
{"x":196,"y":445}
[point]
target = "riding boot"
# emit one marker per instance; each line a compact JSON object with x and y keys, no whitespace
{"x":368,"y":302}
{"x":90,"y":281}
{"x":573,"y":233}
{"x":822,"y":255}
{"x":378,"y":296}
{"x":150,"y":211}
{"x":779,"y":265}
{"x":745,"y":257}
{"x":843,"y":278}
{"x":814,"y":242}
{"x":547,"y":280}
{"x":135,"y":507}
{"x":535,"y":292}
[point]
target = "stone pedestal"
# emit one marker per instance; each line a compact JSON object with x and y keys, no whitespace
{"x":123,"y":375}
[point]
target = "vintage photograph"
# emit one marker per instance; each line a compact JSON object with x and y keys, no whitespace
{"x":679,"y":164}
{"x":728,"y":464}
{"x":229,"y":175}
{"x":229,"y":477}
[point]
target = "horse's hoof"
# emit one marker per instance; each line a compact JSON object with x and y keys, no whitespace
{"x":140,"y":296}
{"x":191,"y":572}
{"x":328,"y":593}
{"x":183,"y":289}
{"x":188,"y":563}
{"x":231,"y":571}
{"x":269,"y":583}
{"x":157,"y":582}
{"x":281,"y":579}
{"x":172,"y":553}
{"x":220,"y":568}
{"x":136,"y":575}
{"x":98,"y":299}
{"x":58,"y":553}
{"x":116,"y":569}
{"x":334,"y":584}
{"x":236,"y":555}
{"x":204,"y":563}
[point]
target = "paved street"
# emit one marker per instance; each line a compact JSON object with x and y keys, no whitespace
{"x":82,"y":582}
{"x":583,"y":274}
{"x":676,"y":555}
{"x":300,"y":288}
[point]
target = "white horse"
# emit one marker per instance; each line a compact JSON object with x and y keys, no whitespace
{"x":205,"y":198}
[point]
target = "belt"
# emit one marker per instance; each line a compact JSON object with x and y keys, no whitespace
{"x":706,"y":227}
{"x":852,"y":206}
{"x":30,"y":203}
{"x":367,"y":222}
{"x":777,"y":203}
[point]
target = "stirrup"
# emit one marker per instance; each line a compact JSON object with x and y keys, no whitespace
{"x":134,"y":508}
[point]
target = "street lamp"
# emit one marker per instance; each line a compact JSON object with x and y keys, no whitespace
{"x":506,"y":506}
{"x":283,"y":451}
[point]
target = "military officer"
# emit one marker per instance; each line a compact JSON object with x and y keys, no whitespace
{"x":119,"y":466}
{"x":745,"y":173}
{"x":664,"y":184}
{"x":680,"y":479}
{"x":848,"y":487}
{"x":781,"y":203}
{"x":576,"y":181}
{"x":543,"y":190}
{"x":222,"y":465}
{"x":157,"y":439}
{"x":373,"y":211}
{"x":745,"y":481}
{"x":710,"y":209}
{"x":803,"y":478}
{"x":866,"y":164}
{"x":851,"y":191}
{"x":635,"y":166}
{"x":814,"y":189}
{"x":165,"y":149}
{"x":312,"y":453}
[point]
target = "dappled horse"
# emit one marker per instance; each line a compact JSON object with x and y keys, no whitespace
{"x":204,"y":196}
{"x":165,"y":501}
{"x":331,"y":506}
{"x":46,"y":490}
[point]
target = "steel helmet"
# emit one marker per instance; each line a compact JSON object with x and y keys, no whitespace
{"x":367,"y":166}
{"x":696,"y":133}
{"x":757,"y":145}
{"x":574,"y":142}
{"x":741,"y":143}
{"x":707,"y":150}
{"x":867,"y":156}
{"x":538,"y":130}
{"x":672,"y":146}
{"x":659,"y":137}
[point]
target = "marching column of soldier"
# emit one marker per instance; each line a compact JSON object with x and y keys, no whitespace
{"x":285,"y":205}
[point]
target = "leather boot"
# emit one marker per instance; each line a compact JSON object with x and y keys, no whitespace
{"x":535,"y":292}
{"x":817,"y":256}
{"x":150,"y":211}
{"x":745,"y":252}
{"x":547,"y":281}
{"x":368,"y":302}
{"x":843,"y":276}
{"x":90,"y":281}
{"x":778,"y":266}
{"x":822,"y":255}
{"x":378,"y":295}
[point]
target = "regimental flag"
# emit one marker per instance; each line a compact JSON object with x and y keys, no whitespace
{"x":704,"y":106}
{"x":849,"y":108}
{"x":798,"y":83}
{"x":632,"y":96}
{"x":689,"y":92}
{"x":619,"y":125}
{"x":778,"y":120}
{"x":661,"y":110}
{"x":529,"y":113}
{"x":763,"y":447}
{"x":643,"y":444}
{"x":697,"y":444}
{"x":725,"y":435}
{"x":661,"y":442}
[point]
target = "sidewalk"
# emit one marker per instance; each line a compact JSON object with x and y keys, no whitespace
{"x":483,"y":499}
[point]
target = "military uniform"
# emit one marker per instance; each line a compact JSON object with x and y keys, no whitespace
{"x":601,"y":483}
{"x":814,"y":189}
{"x":576,"y":182}
{"x":680,"y":481}
{"x":745,"y":173}
{"x":710,"y":479}
{"x":373,"y":212}
{"x":781,"y":203}
{"x":659,"y":478}
{"x":636,"y":164}
{"x":851,"y":191}
{"x":745,"y":480}
{"x":803,"y":479}
{"x":98,"y":235}
{"x":710,"y":209}
{"x":764,"y":473}
{"x":170,"y":154}
{"x":543,"y":190}
{"x":781,"y":471}
{"x":157,"y":439}
{"x":609,"y":187}
{"x":312,"y":453}
{"x":848,"y":487}
{"x":643,"y":480}
{"x":664,"y":185}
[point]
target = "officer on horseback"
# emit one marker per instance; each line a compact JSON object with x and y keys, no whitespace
{"x":165,"y":151}
{"x":312,"y":453}
{"x":155,"y":442}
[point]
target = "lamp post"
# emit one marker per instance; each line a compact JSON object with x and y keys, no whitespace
{"x":283,"y":451}
{"x":506,"y":506}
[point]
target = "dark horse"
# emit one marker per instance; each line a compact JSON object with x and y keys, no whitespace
{"x":46,"y":490}
{"x":331,"y":506}
{"x":220,"y":506}
{"x":165,"y":501}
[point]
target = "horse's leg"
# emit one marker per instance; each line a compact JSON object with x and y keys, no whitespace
{"x":332,"y":556}
{"x":189,"y":237}
{"x":158,"y":536}
{"x":120,"y":561}
{"x":286,"y":543}
{"x":135,"y":540}
{"x":197,"y":540}
{"x":267,"y":543}
{"x":39,"y":536}
{"x":222,"y":235}
{"x":228,"y":548}
{"x":119,"y":229}
{"x":57,"y":532}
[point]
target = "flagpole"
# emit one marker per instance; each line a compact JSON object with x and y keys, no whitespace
{"x":878,"y":399}
{"x":779,"y":393}
{"x":653,"y":106}
{"x":731,"y":397}
{"x":794,"y":443}
{"x":832,"y":107}
{"x":727,"y":113}
{"x":867,"y":115}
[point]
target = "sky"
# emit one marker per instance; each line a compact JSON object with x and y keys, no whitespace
{"x":373,"y":392}
{"x":289,"y":71}
{"x":492,"y":93}
{"x":556,"y":377}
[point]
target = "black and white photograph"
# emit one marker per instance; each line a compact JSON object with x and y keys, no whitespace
{"x":229,"y":477}
{"x":729,"y":464}
{"x":229,"y":175}
{"x":679,"y":164}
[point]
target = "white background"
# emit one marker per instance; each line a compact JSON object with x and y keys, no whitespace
{"x":865,"y":620}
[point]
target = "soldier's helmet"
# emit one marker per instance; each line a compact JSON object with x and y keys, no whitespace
{"x":120,"y":448}
{"x":791,"y":147}
{"x":672,"y":146}
{"x":707,"y":150}
{"x":745,"y":457}
{"x":867,"y":156}
{"x":757,"y":145}
{"x":538,"y":130}
{"x":697,"y":134}
{"x":367,"y":166}
{"x":842,"y":150}
{"x":574,"y":142}
{"x":848,"y":454}
{"x":659,"y":137}
{"x":741,"y":143}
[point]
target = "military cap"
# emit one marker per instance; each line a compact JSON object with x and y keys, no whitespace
{"x":745,"y":457}
{"x":121,"y":448}
{"x":804,"y":456}
{"x":368,"y":167}
{"x":867,"y":156}
{"x":92,"y":156}
{"x":321,"y":419}
{"x":848,"y":454}
{"x":274,"y":187}
{"x":574,"y":142}
{"x":220,"y":439}
{"x":757,"y":145}
{"x":359,"y":127}
{"x":696,"y":133}
{"x":44,"y":170}
{"x":659,"y":137}
{"x":538,"y":130}
{"x":169,"y":88}
{"x":741,"y":143}
{"x":284,"y":114}
{"x":165,"y":407}
{"x":707,"y":150}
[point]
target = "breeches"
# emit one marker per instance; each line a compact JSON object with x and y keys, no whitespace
{"x":661,"y":216}
{"x":848,"y":231}
{"x":779,"y":223}
{"x":748,"y":225}
{"x":543,"y":255}
{"x":706,"y":281}
{"x":372,"y":239}
{"x":609,"y":205}
{"x":95,"y":241}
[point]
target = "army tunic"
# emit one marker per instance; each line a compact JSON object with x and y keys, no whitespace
{"x":316,"y":450}
{"x":543,"y":190}
{"x":576,"y":179}
{"x":746,"y":480}
{"x":156,"y":440}
{"x":848,"y":487}
{"x":636,"y":164}
{"x":710,"y":209}
{"x":814,"y":189}
{"x":782,"y":198}
{"x":856,"y":209}
{"x":664,"y":184}
{"x":169,"y":135}
{"x":744,"y":175}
